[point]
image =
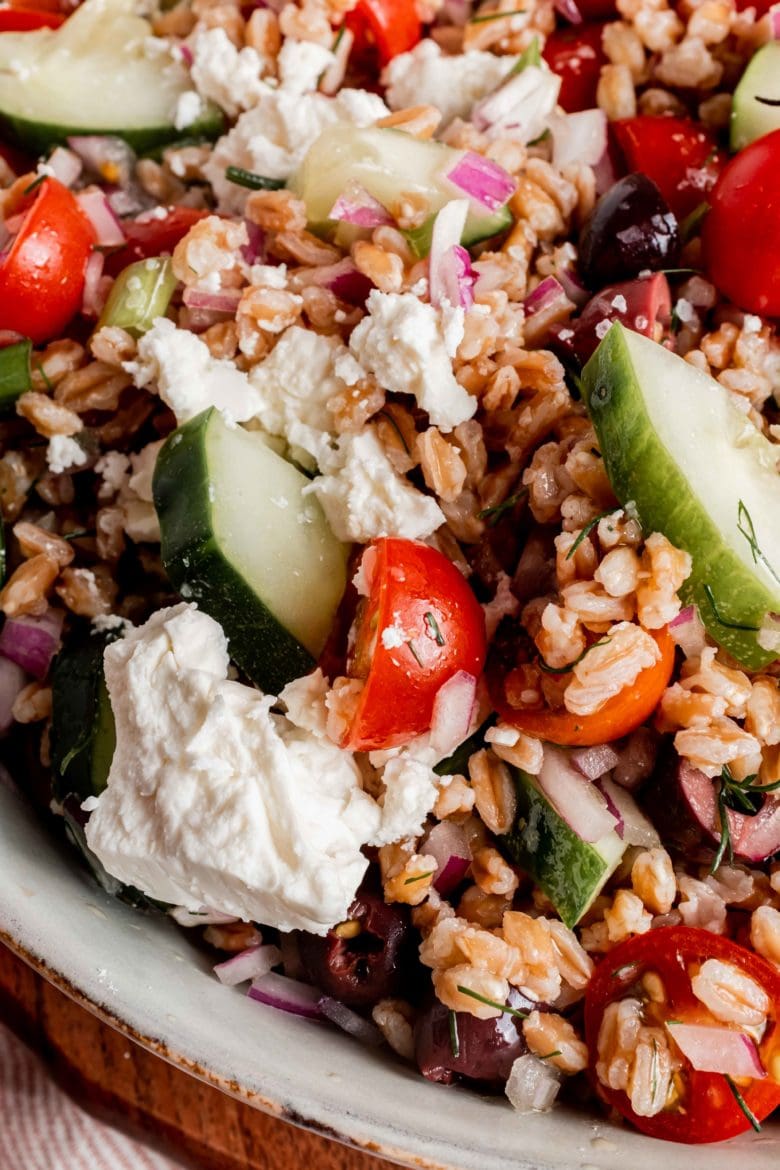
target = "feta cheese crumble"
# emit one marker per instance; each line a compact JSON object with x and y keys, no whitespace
{"x":188,"y":109}
{"x":64,"y":454}
{"x":403,"y":343}
{"x":226,"y":75}
{"x":425,"y":76}
{"x":302,"y":64}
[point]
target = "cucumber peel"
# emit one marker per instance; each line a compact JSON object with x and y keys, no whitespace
{"x":755,"y":108}
{"x":240,"y":538}
{"x":695,"y":468}
{"x":83,"y":737}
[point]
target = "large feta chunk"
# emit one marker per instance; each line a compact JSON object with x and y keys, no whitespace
{"x":214,"y":800}
{"x":425,"y":76}
{"x":363,"y":497}
{"x":302,"y":63}
{"x":228,"y":76}
{"x":407,"y":345}
{"x":272,"y":138}
{"x":188,"y":378}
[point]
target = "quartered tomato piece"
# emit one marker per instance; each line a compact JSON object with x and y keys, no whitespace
{"x":390,"y":26}
{"x":20,"y":19}
{"x":656,"y":971}
{"x":42,"y":275}
{"x":417,"y":626}
{"x":576,"y":55}
{"x":679,"y":155}
{"x":153,"y":236}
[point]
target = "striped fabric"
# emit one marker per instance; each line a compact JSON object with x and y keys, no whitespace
{"x":42,"y":1129}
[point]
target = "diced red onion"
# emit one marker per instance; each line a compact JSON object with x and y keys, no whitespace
{"x":107,"y":228}
{"x":688,"y":631}
{"x":185,"y":52}
{"x":95,"y":291}
{"x":532,"y":1085}
{"x":457,"y":12}
{"x":339,"y":1014}
{"x":573,"y":287}
{"x":288,"y":995}
{"x":343,"y":279}
{"x":521,"y":107}
{"x":32,"y":642}
{"x":356,"y":206}
{"x":604,"y":173}
{"x":204,"y":917}
{"x":636,"y":758}
{"x":225,"y":301}
{"x":715,"y":1049}
{"x":452,"y":708}
{"x":774,"y":21}
{"x":447,"y":231}
{"x":576,"y":801}
{"x":449,"y":845}
{"x":568,"y":10}
{"x":12,"y":680}
{"x":65,"y":164}
{"x":483,"y":180}
{"x":594,"y":761}
{"x":10,"y":337}
{"x":633,"y":826}
{"x":254,"y":250}
{"x":248,"y":964}
{"x":105,"y":155}
{"x":333,"y":77}
{"x":580,"y":137}
{"x":548,"y":293}
{"x":753,"y":838}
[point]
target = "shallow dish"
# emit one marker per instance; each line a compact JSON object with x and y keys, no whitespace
{"x":138,"y":974}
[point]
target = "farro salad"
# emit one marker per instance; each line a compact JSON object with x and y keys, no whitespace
{"x":389,"y":476}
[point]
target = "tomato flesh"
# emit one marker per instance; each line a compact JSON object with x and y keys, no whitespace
{"x":741,"y":232}
{"x":389,"y":26}
{"x":42,"y":276}
{"x":576,"y":55}
{"x":27,"y":19}
{"x":153,"y":237}
{"x":678,"y":154}
{"x":419,"y":624}
{"x":706,"y":1110}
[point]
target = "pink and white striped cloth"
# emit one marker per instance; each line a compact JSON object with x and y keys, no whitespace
{"x":42,"y":1129}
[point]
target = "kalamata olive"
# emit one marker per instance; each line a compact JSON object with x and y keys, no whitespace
{"x":486,"y":1049}
{"x":629,"y":230}
{"x":638,"y":304}
{"x":366,"y":966}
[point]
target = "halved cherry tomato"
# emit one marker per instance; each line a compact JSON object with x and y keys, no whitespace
{"x":42,"y":276}
{"x":153,"y":237}
{"x":741,"y":232}
{"x":576,"y":55}
{"x":419,"y":624}
{"x":706,"y":1109}
{"x":678,"y":154}
{"x":619,"y":715}
{"x":392,"y":26}
{"x":26,"y":19}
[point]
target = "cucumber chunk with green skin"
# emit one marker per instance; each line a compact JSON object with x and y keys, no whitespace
{"x":139,"y":295}
{"x":755,"y":109}
{"x":697,"y":470}
{"x":83,"y":737}
{"x":388,"y":164}
{"x":96,"y":74}
{"x":241,"y":539}
{"x":15,"y":375}
{"x":570,"y":871}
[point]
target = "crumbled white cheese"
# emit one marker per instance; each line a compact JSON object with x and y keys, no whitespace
{"x":226,"y":75}
{"x":214,"y":800}
{"x":268,"y":275}
{"x":402,"y":343}
{"x":64,"y":453}
{"x":302,"y":64}
{"x":294,"y":385}
{"x":363,"y":497}
{"x":684,"y":310}
{"x":105,"y":623}
{"x":187,"y":377}
{"x":139,"y":517}
{"x":393,"y":637}
{"x":114,"y":468}
{"x":425,"y":76}
{"x":189,"y":108}
{"x":272,"y":138}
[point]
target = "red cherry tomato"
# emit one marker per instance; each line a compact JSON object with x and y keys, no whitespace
{"x":153,"y":237}
{"x":741,"y":232}
{"x":42,"y":276}
{"x":679,"y":156}
{"x":417,"y":593}
{"x":597,"y":9}
{"x":23,"y":19}
{"x":392,"y":26}
{"x":576,"y":55}
{"x":705,"y":1109}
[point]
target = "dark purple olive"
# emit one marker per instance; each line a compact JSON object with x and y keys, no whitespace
{"x":486,"y":1049}
{"x":630,"y":230}
{"x":638,"y":304}
{"x":370,"y":965}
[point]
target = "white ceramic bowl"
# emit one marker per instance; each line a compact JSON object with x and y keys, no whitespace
{"x":139,"y":974}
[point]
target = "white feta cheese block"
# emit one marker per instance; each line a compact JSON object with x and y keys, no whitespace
{"x":228,"y":76}
{"x":411,"y":789}
{"x":363,"y":497}
{"x":425,"y":76}
{"x":212,"y":799}
{"x":406,"y":344}
{"x":272,"y":138}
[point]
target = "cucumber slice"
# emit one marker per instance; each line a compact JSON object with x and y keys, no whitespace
{"x":387,"y":163}
{"x":15,"y":376}
{"x":83,"y":738}
{"x":755,"y":109}
{"x":239,"y":537}
{"x":697,"y":470}
{"x":570,"y":871}
{"x":98,"y":73}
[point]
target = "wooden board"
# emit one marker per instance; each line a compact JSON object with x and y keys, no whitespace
{"x":143,"y":1094}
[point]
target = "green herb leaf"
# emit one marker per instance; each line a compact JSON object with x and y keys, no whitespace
{"x":414,"y":654}
{"x":767,"y":101}
{"x":740,"y":1100}
{"x":494,"y":514}
{"x":433,"y":626}
{"x":502,"y":1007}
{"x":46,"y":379}
{"x":386,"y":415}
{"x":720,"y":619}
{"x":530,"y":56}
{"x":587,"y":530}
{"x":550,"y":1055}
{"x":254,"y":182}
{"x":35,"y":183}
{"x":570,"y":666}
{"x":748,"y":531}
{"x":77,"y":532}
{"x":418,"y":877}
{"x":487,"y":16}
{"x":725,"y":831}
{"x":454,"y":1037}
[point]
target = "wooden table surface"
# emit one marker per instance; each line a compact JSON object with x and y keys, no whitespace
{"x":122,"y":1082}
